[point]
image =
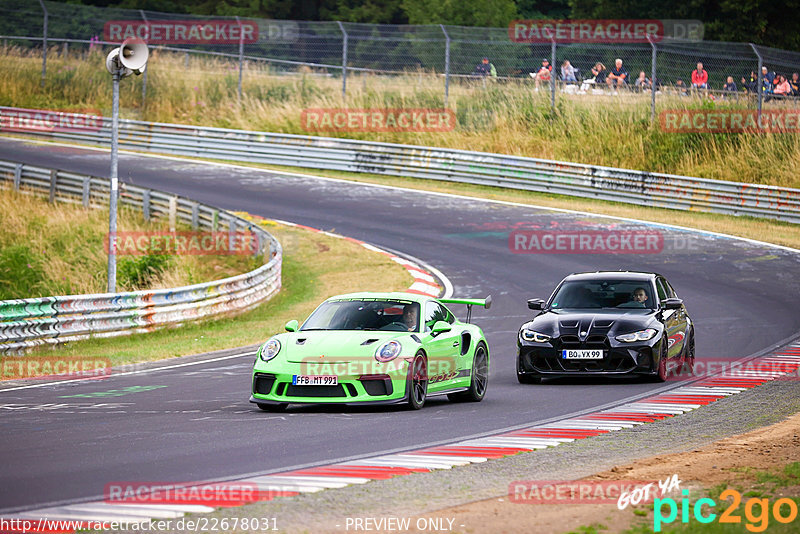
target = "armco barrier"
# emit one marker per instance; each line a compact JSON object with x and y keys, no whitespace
{"x":573,"y":179}
{"x":28,"y":322}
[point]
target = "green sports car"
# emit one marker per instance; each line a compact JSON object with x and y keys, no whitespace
{"x":374,"y":348}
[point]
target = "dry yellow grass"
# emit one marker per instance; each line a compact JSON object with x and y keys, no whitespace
{"x":494,"y":117}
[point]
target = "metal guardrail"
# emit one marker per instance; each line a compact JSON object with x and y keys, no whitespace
{"x":498,"y":170}
{"x":28,"y":322}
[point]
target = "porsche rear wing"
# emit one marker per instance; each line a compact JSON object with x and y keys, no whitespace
{"x":486,"y":303}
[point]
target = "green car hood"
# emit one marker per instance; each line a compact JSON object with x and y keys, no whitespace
{"x":337,"y":345}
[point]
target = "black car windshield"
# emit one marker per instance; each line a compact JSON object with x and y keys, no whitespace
{"x":390,"y":315}
{"x":603,"y":294}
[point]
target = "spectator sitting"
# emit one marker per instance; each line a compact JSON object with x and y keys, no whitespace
{"x":795,"y":84}
{"x":699,"y":77}
{"x":484,"y":68}
{"x":752,"y":85}
{"x":643,"y":83}
{"x":730,"y":86}
{"x":767,"y":80}
{"x":568,"y":72}
{"x":543,"y":74}
{"x":783,"y":87}
{"x":616,"y":77}
{"x":598,"y":76}
{"x":682,"y":90}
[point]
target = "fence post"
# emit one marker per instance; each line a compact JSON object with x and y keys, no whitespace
{"x":344,"y":59}
{"x":87,"y":189}
{"x":760,"y":80}
{"x":652,"y":81}
{"x":446,"y":65}
{"x":173,"y":213}
{"x":44,"y":41}
{"x":17,"y":176}
{"x":241,"y":55}
{"x":53,"y":179}
{"x":195,"y":215}
{"x":144,"y":74}
{"x":186,"y":60}
{"x":146,"y":205}
{"x":553,"y":75}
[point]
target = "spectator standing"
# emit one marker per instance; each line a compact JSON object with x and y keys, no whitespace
{"x":643,"y":83}
{"x":617,"y":75}
{"x":568,"y":72}
{"x":767,"y":80}
{"x":699,"y":77}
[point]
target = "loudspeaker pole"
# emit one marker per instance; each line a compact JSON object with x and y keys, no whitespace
{"x":114,"y":176}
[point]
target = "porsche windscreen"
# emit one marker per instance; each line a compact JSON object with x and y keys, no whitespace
{"x":388,"y":315}
{"x":588,"y":294}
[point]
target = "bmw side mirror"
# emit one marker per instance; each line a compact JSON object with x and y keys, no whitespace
{"x":292,"y":326}
{"x":440,"y":327}
{"x":672,"y":304}
{"x":536,"y":304}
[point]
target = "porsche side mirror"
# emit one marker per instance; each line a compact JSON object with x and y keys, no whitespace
{"x":672,"y":304}
{"x":440,"y":327}
{"x":292,"y":326}
{"x":536,"y":304}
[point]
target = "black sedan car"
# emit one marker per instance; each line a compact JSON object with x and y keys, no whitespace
{"x":606,"y":323}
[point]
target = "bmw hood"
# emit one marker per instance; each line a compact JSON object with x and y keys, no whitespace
{"x":584,"y":323}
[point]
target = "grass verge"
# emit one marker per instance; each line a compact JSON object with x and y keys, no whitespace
{"x":315,"y":266}
{"x":58,"y":249}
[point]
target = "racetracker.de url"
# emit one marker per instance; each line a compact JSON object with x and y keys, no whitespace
{"x":198,"y":524}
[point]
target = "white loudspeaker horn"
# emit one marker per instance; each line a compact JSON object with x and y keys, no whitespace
{"x":133,"y":55}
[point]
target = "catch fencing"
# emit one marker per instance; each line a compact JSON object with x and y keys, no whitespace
{"x":25,"y":323}
{"x":450,"y":53}
{"x":409,"y":161}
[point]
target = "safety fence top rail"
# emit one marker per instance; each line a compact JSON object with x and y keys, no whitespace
{"x":28,"y":322}
{"x":518,"y":172}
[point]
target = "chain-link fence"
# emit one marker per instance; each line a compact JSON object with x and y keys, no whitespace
{"x":745,"y":73}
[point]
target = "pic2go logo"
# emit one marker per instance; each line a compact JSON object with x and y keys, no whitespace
{"x":756,"y":511}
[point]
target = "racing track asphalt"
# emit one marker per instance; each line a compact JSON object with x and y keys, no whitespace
{"x":199,"y":424}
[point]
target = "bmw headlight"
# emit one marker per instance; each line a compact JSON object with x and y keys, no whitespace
{"x":388,"y":351}
{"x":270,"y":349}
{"x":537,"y":337}
{"x":641,"y":335}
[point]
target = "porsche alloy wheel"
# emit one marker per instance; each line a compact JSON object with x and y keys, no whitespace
{"x":418,"y":382}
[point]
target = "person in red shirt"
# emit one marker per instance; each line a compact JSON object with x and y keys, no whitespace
{"x":699,"y":77}
{"x":543,"y":74}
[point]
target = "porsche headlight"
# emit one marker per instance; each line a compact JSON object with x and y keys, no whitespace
{"x":537,"y":337}
{"x":388,"y":351}
{"x":641,"y":335}
{"x":270,"y":349}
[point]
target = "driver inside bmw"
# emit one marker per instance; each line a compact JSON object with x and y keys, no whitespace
{"x":640,"y":296}
{"x":410,"y":317}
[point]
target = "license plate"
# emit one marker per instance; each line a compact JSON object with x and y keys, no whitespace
{"x":315,"y":380}
{"x":582,"y":354}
